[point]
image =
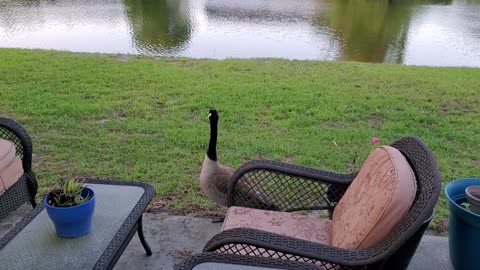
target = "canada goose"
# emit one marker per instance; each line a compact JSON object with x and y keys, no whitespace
{"x":215,"y":177}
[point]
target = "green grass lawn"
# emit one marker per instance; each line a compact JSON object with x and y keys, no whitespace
{"x":146,"y":118}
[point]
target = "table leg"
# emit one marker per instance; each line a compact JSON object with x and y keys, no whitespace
{"x":142,"y":237}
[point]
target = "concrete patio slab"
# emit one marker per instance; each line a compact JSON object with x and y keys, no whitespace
{"x":171,"y":238}
{"x":432,"y":253}
{"x":174,"y":237}
{"x":13,"y":218}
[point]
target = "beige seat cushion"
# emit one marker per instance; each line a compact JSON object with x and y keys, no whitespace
{"x":289,"y":224}
{"x":378,"y":198}
{"x":11,"y":174}
{"x":7,"y":153}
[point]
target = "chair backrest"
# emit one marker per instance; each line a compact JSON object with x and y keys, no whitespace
{"x":399,"y":247}
{"x":378,"y":198}
{"x":13,"y":131}
{"x":25,"y":189}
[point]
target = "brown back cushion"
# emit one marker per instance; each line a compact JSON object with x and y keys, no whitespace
{"x":10,"y":175}
{"x":7,"y":153}
{"x":378,"y":198}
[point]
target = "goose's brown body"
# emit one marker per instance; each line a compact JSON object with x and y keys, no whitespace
{"x":214,"y":180}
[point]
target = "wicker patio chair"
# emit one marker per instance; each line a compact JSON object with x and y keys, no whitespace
{"x":295,"y":188}
{"x":25,"y":189}
{"x":216,"y":261}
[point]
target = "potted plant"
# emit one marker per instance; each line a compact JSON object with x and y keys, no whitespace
{"x":463,"y":223}
{"x":70,"y":208}
{"x":473,"y":199}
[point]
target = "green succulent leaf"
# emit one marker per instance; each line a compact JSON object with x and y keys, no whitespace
{"x":69,"y":194}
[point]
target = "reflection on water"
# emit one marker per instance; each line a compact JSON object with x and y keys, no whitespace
{"x":370,"y":31}
{"x":419,"y":32}
{"x":160,"y":26}
{"x":378,"y":31}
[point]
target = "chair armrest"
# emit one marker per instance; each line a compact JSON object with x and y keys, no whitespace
{"x":13,"y":131}
{"x":272,"y":185}
{"x":211,"y":261}
{"x":251,"y":242}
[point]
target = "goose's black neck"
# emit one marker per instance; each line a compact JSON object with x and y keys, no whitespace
{"x":212,"y":146}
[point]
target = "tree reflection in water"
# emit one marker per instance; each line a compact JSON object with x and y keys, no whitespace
{"x":372,"y":30}
{"x":159,"y":26}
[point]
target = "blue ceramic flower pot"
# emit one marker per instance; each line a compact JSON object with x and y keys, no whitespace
{"x":72,"y":221}
{"x":463,"y":227}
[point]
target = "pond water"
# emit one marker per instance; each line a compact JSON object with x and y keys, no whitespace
{"x":414,"y":32}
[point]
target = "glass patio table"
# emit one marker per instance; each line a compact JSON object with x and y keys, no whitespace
{"x":33,"y":244}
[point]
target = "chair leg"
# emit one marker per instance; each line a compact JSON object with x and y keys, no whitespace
{"x":33,"y":203}
{"x":218,"y":219}
{"x":32,"y":186}
{"x":142,"y":237}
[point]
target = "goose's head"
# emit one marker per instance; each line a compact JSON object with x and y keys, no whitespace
{"x":213,"y":115}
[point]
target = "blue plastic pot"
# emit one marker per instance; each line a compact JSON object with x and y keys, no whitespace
{"x":72,"y":221}
{"x":463,"y":227}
